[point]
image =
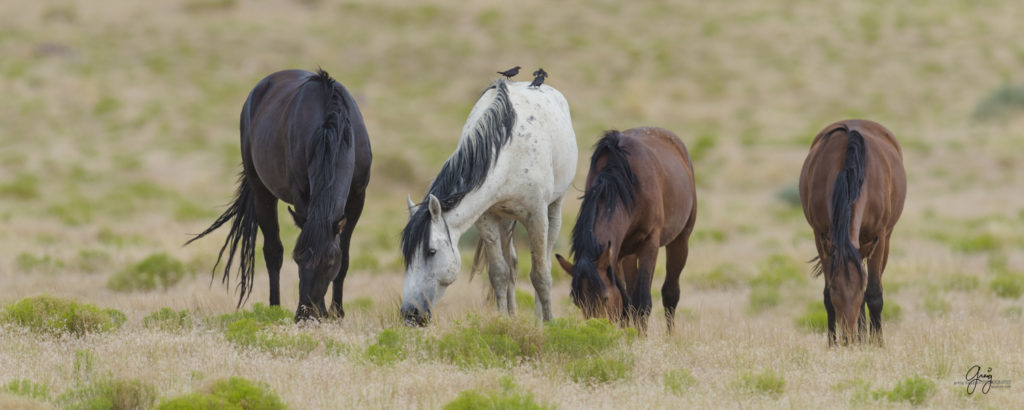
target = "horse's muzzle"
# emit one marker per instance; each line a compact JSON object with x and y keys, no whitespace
{"x":414,"y":316}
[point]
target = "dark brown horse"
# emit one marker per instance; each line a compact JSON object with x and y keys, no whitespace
{"x":303,"y":142}
{"x":852,"y":188}
{"x":648,"y":171}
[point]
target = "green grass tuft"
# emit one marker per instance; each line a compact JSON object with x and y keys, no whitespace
{"x":1008,"y":285}
{"x":575,"y":339}
{"x":110,"y":394}
{"x":500,"y":342}
{"x":725,"y":276}
{"x":233,"y":393}
{"x":51,"y":315}
{"x":26,"y":388}
{"x":678,"y":381}
{"x":595,"y":369}
{"x":251,"y":334}
{"x":778,"y":270}
{"x":260,"y":313}
{"x":159,"y":270}
{"x":168,"y":320}
{"x":767,"y":382}
{"x":961,"y":282}
{"x":22,"y":187}
{"x":509,"y":397}
{"x":27,"y":262}
{"x":1001,"y":103}
{"x":814,"y":319}
{"x":389,"y":348}
{"x":915,"y":390}
{"x":763,"y":297}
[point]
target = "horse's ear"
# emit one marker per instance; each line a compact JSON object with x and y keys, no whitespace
{"x":411,"y":205}
{"x":566,"y":265}
{"x":435,"y":208}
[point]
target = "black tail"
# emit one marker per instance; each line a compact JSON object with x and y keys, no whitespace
{"x":242,"y":214}
{"x":845,"y":192}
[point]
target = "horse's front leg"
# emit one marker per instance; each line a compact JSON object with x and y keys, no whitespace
{"x":489,"y":228}
{"x":540,"y":272}
{"x":641,"y":293}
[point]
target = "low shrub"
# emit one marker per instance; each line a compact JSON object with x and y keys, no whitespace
{"x":29,"y":263}
{"x":233,"y":393}
{"x":260,"y":313}
{"x":814,"y":319}
{"x":110,"y":394}
{"x":159,"y":270}
{"x":388,"y":349}
{"x":1008,"y":285}
{"x":776,"y":271}
{"x":915,"y":390}
{"x":168,"y":319}
{"x":575,"y":339}
{"x":595,"y":369}
{"x":48,"y":314}
{"x":248,"y":333}
{"x":509,"y":397}
{"x":498,"y":342}
{"x":26,"y":388}
{"x":767,"y":382}
{"x":677,"y":381}
{"x":91,"y":260}
{"x":763,"y":297}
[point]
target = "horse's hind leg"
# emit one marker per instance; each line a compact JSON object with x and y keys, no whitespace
{"x":873,"y":294}
{"x":353,"y":209}
{"x":509,"y":258}
{"x":675,"y":260}
{"x":273,"y":251}
{"x":490,"y":229}
{"x":537,"y":225}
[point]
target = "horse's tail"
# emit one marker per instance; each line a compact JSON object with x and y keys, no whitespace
{"x":242,"y":215}
{"x":845,"y":192}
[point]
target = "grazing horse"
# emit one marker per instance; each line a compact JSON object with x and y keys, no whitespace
{"x":649,"y":172}
{"x":852,"y":189}
{"x":514,"y":162}
{"x":303,"y":142}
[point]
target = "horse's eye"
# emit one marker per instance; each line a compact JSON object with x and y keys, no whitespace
{"x":431,"y":252}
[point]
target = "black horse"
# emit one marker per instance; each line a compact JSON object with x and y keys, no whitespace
{"x":303,"y":142}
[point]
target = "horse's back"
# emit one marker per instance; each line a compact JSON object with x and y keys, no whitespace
{"x":884,"y":188}
{"x":658,"y":156}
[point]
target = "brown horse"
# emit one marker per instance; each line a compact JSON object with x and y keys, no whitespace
{"x":649,"y":171}
{"x":852,"y":188}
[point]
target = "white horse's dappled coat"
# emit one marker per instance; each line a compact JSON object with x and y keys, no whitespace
{"x":515,"y":161}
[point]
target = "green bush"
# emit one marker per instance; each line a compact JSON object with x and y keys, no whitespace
{"x":914,"y":390}
{"x":260,"y":313}
{"x":767,"y":382}
{"x":978,"y":243}
{"x":110,"y":394}
{"x":1008,"y":285}
{"x":961,"y":282}
{"x":596,"y":369}
{"x":47,"y":314}
{"x":27,"y":262}
{"x":388,"y":349}
{"x":233,"y":393}
{"x":248,"y":333}
{"x":159,"y":270}
{"x":763,"y":297}
{"x":499,"y":342}
{"x":26,"y":388}
{"x":776,"y":271}
{"x":814,"y":319}
{"x":575,"y":339}
{"x":726,"y":276}
{"x":507,"y":398}
{"x":677,"y":381}
{"x":891,"y":312}
{"x":168,"y":319}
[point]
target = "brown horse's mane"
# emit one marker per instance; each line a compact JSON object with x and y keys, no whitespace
{"x":846,"y":190}
{"x":613,"y":183}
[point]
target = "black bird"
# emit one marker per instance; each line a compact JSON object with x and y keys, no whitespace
{"x":537,"y":81}
{"x":510,"y":72}
{"x":540,"y":73}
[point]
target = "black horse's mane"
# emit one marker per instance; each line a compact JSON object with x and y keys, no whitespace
{"x":467,"y":169}
{"x":614,"y":183}
{"x":323,"y":152}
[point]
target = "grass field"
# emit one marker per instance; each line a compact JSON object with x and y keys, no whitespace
{"x":119,"y":128}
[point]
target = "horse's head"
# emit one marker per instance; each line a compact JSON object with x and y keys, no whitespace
{"x":432,"y":261}
{"x":846,"y":284}
{"x":596,"y":290}
{"x":318,"y":255}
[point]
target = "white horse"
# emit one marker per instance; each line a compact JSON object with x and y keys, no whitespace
{"x":515,"y":161}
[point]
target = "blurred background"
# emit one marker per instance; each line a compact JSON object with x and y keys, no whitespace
{"x":119,"y":120}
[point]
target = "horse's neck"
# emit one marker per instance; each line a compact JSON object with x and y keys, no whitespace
{"x":469,"y":210}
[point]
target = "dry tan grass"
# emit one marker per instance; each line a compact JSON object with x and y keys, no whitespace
{"x":103,"y":95}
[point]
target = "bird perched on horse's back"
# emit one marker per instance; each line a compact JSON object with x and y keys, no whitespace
{"x":537,"y":81}
{"x":510,"y":72}
{"x":540,"y":73}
